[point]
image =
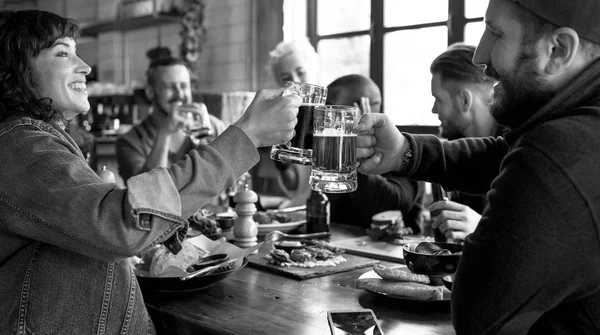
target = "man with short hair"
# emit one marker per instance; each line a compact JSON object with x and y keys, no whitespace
{"x":532,"y":266}
{"x":462,"y":93}
{"x":378,"y":193}
{"x":165,"y":136}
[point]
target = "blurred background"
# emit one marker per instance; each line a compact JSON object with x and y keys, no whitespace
{"x":228,"y":43}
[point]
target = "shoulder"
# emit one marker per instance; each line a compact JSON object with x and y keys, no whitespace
{"x":565,"y":141}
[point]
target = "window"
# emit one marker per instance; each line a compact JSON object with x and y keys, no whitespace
{"x":393,"y":42}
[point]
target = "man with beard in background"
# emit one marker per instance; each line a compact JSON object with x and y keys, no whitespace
{"x":462,"y":93}
{"x":163,"y":137}
{"x":532,"y":266}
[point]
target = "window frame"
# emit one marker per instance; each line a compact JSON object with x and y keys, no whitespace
{"x":456,"y":29}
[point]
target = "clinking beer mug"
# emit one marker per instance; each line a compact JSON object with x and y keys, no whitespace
{"x":299,"y":149}
{"x":334,"y":160}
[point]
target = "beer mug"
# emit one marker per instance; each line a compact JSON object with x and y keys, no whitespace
{"x":197,"y":123}
{"x":334,"y":149}
{"x":299,"y":149}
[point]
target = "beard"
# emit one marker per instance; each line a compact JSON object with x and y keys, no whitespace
{"x":451,"y":132}
{"x":519,"y":94}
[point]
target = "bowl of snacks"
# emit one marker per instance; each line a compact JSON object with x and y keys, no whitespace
{"x":226,"y":220}
{"x":434,"y":259}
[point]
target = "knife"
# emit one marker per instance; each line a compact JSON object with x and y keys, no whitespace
{"x":207,"y":270}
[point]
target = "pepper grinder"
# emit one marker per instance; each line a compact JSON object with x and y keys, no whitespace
{"x":245,"y":229}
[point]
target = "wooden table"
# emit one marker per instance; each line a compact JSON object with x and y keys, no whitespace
{"x":254,"y":301}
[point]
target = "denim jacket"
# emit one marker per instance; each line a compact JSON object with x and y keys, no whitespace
{"x":65,"y":235}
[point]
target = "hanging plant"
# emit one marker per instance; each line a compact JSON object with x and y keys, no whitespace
{"x":193,"y":34}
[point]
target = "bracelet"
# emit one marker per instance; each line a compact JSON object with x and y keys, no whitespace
{"x":406,"y":159}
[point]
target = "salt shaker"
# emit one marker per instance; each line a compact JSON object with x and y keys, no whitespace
{"x":245,"y":229}
{"x":106,"y":175}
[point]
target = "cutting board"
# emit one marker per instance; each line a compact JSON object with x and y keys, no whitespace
{"x":353,"y":262}
{"x":386,"y":251}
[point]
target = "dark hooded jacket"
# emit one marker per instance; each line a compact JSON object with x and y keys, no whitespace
{"x":532,"y":266}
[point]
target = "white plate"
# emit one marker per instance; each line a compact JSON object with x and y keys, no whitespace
{"x":372,"y":274}
{"x":298,"y":219}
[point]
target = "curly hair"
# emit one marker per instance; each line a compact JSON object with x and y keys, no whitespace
{"x":23,"y":35}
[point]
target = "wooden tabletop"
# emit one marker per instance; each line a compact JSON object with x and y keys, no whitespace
{"x":254,"y":301}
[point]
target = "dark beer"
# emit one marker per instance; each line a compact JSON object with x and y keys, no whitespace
{"x":334,"y":154}
{"x":304,"y":128}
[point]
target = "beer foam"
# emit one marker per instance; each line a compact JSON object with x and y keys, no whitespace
{"x":329,"y":132}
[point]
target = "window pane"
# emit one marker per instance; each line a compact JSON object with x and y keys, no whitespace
{"x":475,"y":8}
{"x":473,"y":32}
{"x":342,"y":56}
{"x":407,"y":80}
{"x":342,"y":16}
{"x":405,"y":13}
{"x":294,"y":20}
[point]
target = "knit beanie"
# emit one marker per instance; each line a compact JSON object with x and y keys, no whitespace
{"x":581,"y":15}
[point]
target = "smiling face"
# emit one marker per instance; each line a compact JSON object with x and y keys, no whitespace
{"x":59,"y":74}
{"x":171,"y":86}
{"x":511,"y":55}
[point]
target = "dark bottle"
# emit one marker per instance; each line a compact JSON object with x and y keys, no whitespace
{"x":317,"y":212}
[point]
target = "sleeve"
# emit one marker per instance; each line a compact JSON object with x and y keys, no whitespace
{"x":468,"y":165}
{"x":59,"y":200}
{"x":525,"y":256}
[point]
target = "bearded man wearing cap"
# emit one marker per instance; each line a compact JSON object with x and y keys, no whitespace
{"x":532,"y":266}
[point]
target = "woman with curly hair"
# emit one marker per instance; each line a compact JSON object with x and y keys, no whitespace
{"x":65,"y":234}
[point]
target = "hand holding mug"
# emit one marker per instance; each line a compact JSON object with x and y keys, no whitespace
{"x":196,"y":115}
{"x":270,"y":119}
{"x":175,"y":121}
{"x":380,"y":144}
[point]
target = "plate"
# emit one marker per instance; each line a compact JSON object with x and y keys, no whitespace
{"x":174,"y":284}
{"x":371,"y":274}
{"x":298,"y":219}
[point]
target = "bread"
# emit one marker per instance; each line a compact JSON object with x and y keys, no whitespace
{"x":386,"y":218}
{"x":163,"y":258}
{"x":409,"y":290}
{"x":402,"y":274}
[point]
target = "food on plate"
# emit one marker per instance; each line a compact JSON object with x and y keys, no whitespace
{"x":399,"y":274}
{"x":388,"y":226}
{"x":319,"y":253}
{"x":314,"y":253}
{"x":147,"y":255}
{"x":163,"y":258}
{"x":280,"y":256}
{"x":323,"y":245}
{"x":262,"y":217}
{"x":429,"y":248}
{"x":411,"y":290}
{"x":203,"y":223}
{"x":301,"y":255}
